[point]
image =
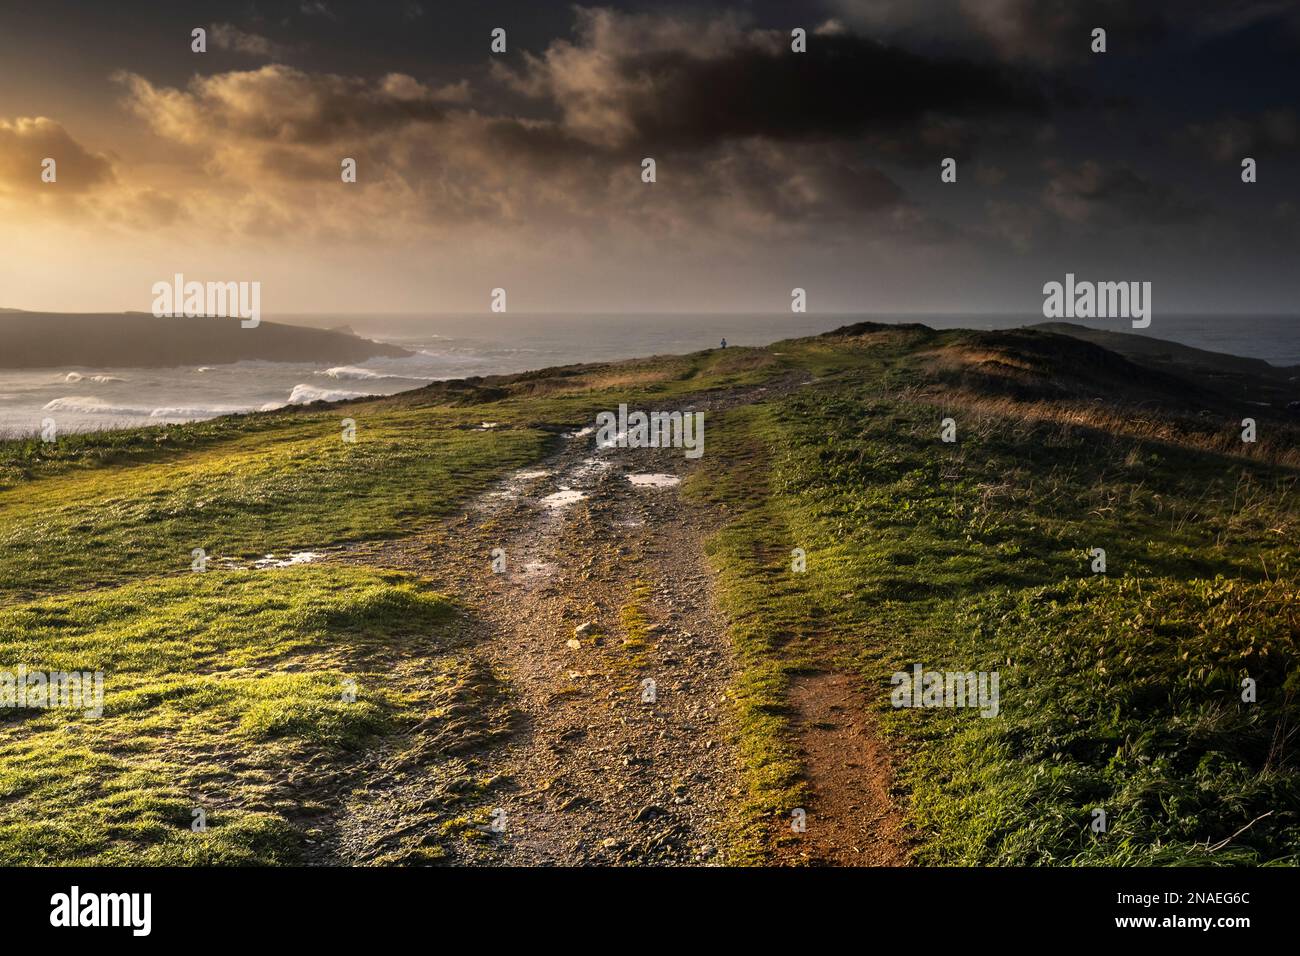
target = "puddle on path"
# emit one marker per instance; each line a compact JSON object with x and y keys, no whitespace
{"x":656,"y":480}
{"x":563,"y":498}
{"x":295,"y":557}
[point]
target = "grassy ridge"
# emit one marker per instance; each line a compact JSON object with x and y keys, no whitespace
{"x":767,"y":612}
{"x":1119,"y":691}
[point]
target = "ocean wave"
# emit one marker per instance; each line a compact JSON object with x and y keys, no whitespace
{"x":303,"y":394}
{"x":198,"y":411}
{"x":450,"y":355}
{"x":89,"y":405}
{"x":78,"y":377}
{"x":351,"y":371}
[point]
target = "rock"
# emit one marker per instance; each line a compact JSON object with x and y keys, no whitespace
{"x":648,"y":812}
{"x":584,"y":629}
{"x":572,"y":644}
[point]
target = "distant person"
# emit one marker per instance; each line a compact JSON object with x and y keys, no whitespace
{"x":724,"y":343}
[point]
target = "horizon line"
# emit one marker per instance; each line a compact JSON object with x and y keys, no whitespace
{"x":596,"y":313}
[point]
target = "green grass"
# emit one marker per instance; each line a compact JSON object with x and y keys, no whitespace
{"x":768,"y":611}
{"x":225,"y":689}
{"x":98,"y":509}
{"x":296,"y":487}
{"x":216,"y":686}
{"x":1120,"y":691}
{"x":1126,"y":696}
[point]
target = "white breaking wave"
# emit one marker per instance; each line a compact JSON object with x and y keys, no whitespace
{"x":302,"y":394}
{"x":198,"y":411}
{"x":88,"y":405}
{"x":351,"y":371}
{"x":417,"y":372}
{"x":78,"y":377}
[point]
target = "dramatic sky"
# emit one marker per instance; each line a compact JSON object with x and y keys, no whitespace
{"x":775,"y":169}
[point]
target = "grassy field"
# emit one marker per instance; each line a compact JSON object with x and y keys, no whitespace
{"x":226,"y":689}
{"x":283,"y":489}
{"x":220,"y":684}
{"x":1120,"y":691}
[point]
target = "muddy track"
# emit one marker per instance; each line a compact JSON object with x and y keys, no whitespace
{"x":588,"y":597}
{"x":852,"y":818}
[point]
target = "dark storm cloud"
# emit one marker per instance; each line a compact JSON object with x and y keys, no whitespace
{"x":670,"y":82}
{"x":1057,"y":32}
{"x":832,"y":151}
{"x":766,"y":157}
{"x":749,"y":134}
{"x":842,"y":87}
{"x":317,"y":8}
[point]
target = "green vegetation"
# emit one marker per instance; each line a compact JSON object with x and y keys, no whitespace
{"x":1122,"y":692}
{"x":1119,"y":691}
{"x":297,"y":486}
{"x":225,"y":691}
{"x":216,"y":685}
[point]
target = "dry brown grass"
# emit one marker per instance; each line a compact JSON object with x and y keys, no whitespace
{"x":623,"y":378}
{"x":1277,"y":444}
{"x":965,"y":356}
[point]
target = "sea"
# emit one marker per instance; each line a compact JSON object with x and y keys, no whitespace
{"x":442,"y":347}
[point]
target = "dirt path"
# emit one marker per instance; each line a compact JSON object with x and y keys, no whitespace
{"x":852,"y":818}
{"x":590,"y":600}
{"x":608,"y":767}
{"x":602,"y":623}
